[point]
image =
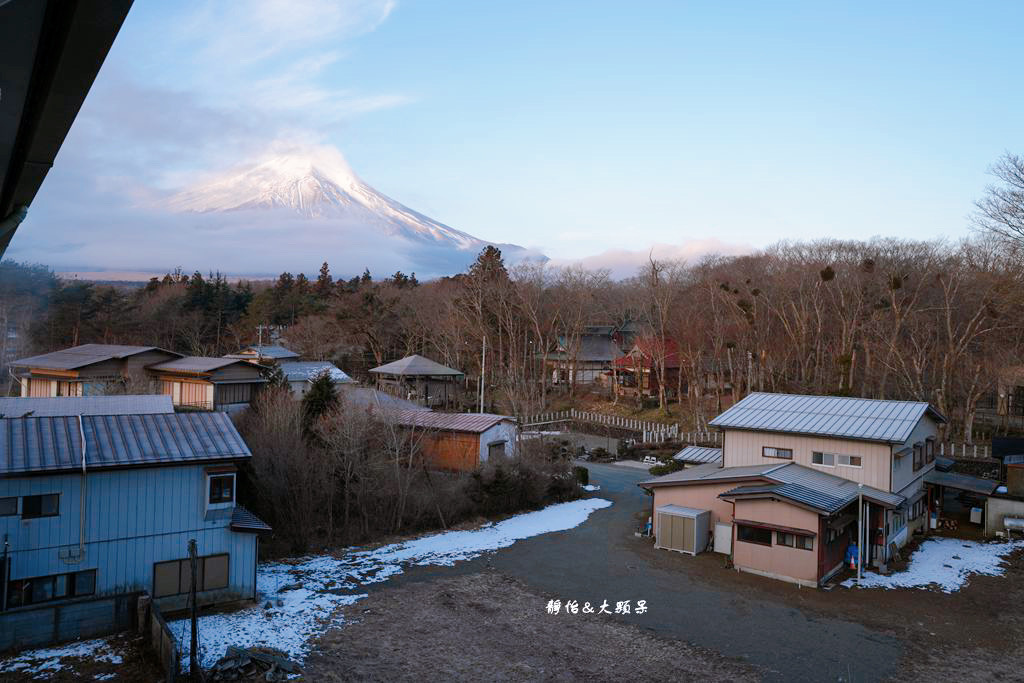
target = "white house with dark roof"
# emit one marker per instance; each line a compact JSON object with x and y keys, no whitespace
{"x":300,"y":374}
{"x":97,"y":509}
{"x":785,"y":492}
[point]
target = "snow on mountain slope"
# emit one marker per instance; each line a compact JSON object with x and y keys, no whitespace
{"x":318,"y":184}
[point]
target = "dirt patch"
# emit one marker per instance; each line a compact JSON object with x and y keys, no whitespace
{"x":488,"y":626}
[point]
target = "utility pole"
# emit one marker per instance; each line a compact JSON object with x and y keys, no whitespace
{"x":259,"y":343}
{"x":195,"y":671}
{"x":483,"y":372}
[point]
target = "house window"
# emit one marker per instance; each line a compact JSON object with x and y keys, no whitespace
{"x":823,"y":459}
{"x":929,"y":450}
{"x":918,"y":456}
{"x":496,"y":449}
{"x":55,"y":587}
{"x":753,"y":534}
{"x":849,"y":460}
{"x":794,"y":540}
{"x":222,"y":489}
{"x":773,"y":452}
{"x":8,"y":506}
{"x":47,"y":505}
{"x":175,"y":577}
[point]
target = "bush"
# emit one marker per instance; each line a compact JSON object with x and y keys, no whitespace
{"x":582,"y":475}
{"x":667,"y":468}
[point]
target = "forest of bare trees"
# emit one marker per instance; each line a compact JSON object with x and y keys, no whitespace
{"x":893,"y":318}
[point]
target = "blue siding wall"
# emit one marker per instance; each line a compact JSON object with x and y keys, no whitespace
{"x":134,"y":518}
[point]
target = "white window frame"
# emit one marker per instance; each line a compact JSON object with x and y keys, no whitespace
{"x":823,"y":455}
{"x":234,"y":490}
{"x":838,"y":461}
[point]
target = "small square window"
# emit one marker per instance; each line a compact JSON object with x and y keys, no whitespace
{"x":40,"y":506}
{"x":85,"y":582}
{"x":222,"y":489}
{"x":8,"y":506}
{"x":823,"y":459}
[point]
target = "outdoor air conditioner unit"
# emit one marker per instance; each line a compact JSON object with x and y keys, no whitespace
{"x":682,"y":529}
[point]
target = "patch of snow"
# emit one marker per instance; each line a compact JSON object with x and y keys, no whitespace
{"x":591,"y":487}
{"x":43,"y":662}
{"x":946,"y":563}
{"x":312,"y":589}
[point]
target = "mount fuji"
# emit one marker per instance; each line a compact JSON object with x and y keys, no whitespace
{"x":315,"y":193}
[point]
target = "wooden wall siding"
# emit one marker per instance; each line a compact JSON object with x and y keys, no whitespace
{"x":193,"y":393}
{"x":457,"y":451}
{"x":226,"y":394}
{"x":744,"y":448}
{"x":236,"y":372}
{"x":904,"y":478}
{"x":134,"y":518}
{"x":139,"y":362}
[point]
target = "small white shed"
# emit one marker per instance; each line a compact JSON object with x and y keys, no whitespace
{"x":682,"y":529}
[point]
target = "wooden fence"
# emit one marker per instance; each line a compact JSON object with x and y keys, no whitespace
{"x":964,"y":451}
{"x":614,"y":421}
{"x":160,"y":639}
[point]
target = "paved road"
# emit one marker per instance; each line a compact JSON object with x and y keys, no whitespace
{"x":602,"y":560}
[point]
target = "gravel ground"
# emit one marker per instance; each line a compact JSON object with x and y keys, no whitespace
{"x":486,"y":626}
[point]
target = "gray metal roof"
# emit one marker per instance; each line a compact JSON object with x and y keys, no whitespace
{"x":195,"y":364}
{"x":243,"y":520}
{"x":832,"y":416}
{"x":86,"y":405}
{"x":963,"y":482}
{"x":680,"y":511}
{"x":415,"y":365}
{"x":368,"y":397}
{"x":453,"y":422}
{"x":830,"y":484}
{"x":272,"y":351}
{"x":304,"y":371}
{"x":80,"y":356}
{"x":698,"y":454}
{"x":712,"y":471}
{"x":797,"y":493}
{"x":593,"y":348}
{"x":54,"y":444}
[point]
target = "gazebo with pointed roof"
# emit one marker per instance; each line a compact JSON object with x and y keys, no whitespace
{"x":419,"y":379}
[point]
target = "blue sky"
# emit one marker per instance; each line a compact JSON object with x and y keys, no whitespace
{"x":577,"y":127}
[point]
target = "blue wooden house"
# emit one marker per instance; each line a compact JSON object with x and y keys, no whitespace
{"x":97,"y":509}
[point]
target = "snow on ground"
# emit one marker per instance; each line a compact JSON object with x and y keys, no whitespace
{"x":946,"y":563}
{"x":311,"y":589}
{"x":591,"y":487}
{"x":44,"y":662}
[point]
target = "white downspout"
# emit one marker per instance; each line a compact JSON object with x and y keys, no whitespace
{"x":82,"y":492}
{"x":860,"y":528}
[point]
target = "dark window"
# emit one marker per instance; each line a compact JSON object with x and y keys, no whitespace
{"x":175,"y":577}
{"x":773,"y":452}
{"x":8,"y":506}
{"x":40,"y":506}
{"x":222,"y":488}
{"x":56,"y":587}
{"x":918,"y":456}
{"x":929,"y":451}
{"x":825,"y":459}
{"x":496,"y":449}
{"x":753,"y":534}
{"x":794,"y":540}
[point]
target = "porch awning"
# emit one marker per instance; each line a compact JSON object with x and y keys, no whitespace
{"x":963,"y":482}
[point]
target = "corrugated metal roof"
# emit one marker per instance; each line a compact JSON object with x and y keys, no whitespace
{"x":680,"y":511}
{"x":195,"y":364}
{"x":832,"y":416}
{"x":85,"y":354}
{"x":797,"y":493}
{"x":963,"y":482}
{"x":712,"y":471}
{"x":698,"y":454}
{"x":243,"y":520}
{"x":830,"y":484}
{"x":368,"y":397}
{"x":455,"y":422}
{"x":415,"y":365}
{"x":86,"y":405}
{"x":592,"y":348}
{"x":303,"y":371}
{"x":275,"y":352}
{"x":54,"y":444}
